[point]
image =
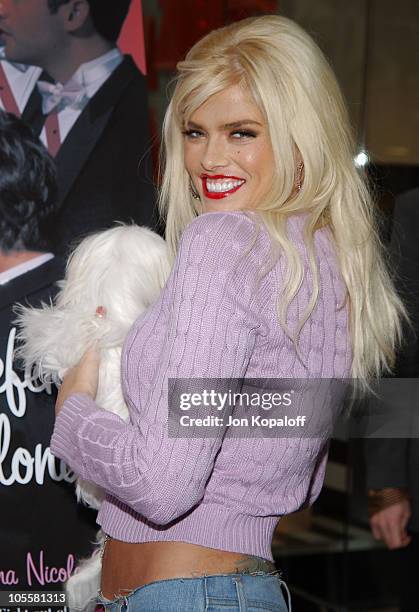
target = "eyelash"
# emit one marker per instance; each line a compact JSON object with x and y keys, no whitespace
{"x":190,"y":133}
{"x":194,"y":134}
{"x":245,"y":133}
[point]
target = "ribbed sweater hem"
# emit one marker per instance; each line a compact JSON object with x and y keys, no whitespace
{"x":207,"y":525}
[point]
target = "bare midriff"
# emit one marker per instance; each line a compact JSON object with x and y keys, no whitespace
{"x":127,"y":566}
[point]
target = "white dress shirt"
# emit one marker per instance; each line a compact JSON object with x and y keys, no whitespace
{"x":89,"y":77}
{"x":22,"y":79}
{"x":24,"y":267}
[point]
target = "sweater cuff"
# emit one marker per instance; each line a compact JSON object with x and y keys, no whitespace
{"x":64,"y":442}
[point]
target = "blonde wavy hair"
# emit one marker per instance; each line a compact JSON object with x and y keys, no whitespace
{"x":293,"y":85}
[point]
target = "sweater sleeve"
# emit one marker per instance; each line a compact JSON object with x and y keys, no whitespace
{"x":204,"y":325}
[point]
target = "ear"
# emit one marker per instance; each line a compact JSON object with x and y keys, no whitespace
{"x":74,"y":14}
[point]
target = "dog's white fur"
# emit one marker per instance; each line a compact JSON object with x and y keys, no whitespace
{"x":122,"y":269}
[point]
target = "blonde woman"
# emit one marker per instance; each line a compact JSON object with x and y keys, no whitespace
{"x":277,"y":274}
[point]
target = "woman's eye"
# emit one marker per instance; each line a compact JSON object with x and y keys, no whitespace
{"x":241,"y":134}
{"x":192,"y":134}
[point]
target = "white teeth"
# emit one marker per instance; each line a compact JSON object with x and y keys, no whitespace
{"x":222,"y":186}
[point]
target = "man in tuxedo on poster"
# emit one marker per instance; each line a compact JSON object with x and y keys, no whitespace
{"x":17,"y":82}
{"x":89,"y":108}
{"x":42,"y":528}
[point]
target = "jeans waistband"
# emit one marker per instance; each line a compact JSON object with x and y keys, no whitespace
{"x":239,"y":589}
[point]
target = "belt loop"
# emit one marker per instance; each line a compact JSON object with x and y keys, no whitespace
{"x":123,"y":604}
{"x":206,"y":594}
{"x":284,"y":584}
{"x":240,"y":594}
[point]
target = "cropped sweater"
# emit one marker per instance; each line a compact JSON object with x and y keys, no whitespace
{"x":216,"y":318}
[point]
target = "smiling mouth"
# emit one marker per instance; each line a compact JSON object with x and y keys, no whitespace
{"x":217,"y":187}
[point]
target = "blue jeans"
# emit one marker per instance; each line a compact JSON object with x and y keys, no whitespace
{"x":217,"y":593}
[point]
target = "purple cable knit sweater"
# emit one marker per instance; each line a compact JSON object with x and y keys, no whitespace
{"x":216,"y":318}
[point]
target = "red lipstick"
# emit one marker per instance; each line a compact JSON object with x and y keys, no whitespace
{"x":218,"y":195}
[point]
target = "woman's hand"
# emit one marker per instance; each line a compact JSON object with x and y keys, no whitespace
{"x":83,"y":378}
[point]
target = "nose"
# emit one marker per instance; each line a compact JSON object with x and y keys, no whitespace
{"x":215,"y":154}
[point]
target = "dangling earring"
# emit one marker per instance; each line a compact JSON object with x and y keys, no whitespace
{"x":299,"y":175}
{"x":198,"y":206}
{"x":194,"y":193}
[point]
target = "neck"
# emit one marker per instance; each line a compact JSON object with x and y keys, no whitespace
{"x":61,"y":66}
{"x":11,"y":259}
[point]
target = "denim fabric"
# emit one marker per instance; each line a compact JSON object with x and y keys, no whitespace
{"x":218,"y":593}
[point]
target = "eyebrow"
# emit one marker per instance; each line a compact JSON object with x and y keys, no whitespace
{"x":227,"y":126}
{"x":237,"y":124}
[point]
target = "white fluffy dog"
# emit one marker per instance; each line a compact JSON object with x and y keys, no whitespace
{"x":123,"y":271}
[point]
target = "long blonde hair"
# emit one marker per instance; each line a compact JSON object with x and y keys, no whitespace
{"x":293,"y":85}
